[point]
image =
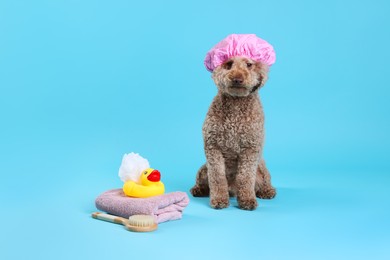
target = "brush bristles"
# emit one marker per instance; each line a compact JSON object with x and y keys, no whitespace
{"x":141,"y":220}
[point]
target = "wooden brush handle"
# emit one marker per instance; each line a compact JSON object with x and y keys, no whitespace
{"x":109,"y":218}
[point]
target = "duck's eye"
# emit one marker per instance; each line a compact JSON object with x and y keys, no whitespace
{"x":228,"y":65}
{"x":145,"y":172}
{"x":249,"y":65}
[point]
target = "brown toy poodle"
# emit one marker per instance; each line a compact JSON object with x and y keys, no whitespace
{"x":233,"y":135}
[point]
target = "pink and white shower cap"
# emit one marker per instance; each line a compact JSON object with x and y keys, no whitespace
{"x":243,"y":45}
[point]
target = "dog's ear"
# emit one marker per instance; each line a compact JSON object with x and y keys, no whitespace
{"x":261,"y":70}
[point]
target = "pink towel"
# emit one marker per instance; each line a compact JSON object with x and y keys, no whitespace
{"x":164,"y":207}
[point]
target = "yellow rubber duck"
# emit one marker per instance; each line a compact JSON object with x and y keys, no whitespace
{"x":140,"y":181}
{"x":150,"y":185}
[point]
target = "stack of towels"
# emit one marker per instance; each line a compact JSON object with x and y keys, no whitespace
{"x":163,"y":208}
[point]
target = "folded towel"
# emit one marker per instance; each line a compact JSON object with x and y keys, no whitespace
{"x":164,"y":207}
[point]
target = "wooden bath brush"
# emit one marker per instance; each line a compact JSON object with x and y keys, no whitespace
{"x":136,"y":223}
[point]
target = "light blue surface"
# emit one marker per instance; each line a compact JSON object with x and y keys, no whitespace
{"x":83,"y":82}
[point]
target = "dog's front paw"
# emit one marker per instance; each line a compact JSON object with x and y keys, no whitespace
{"x":266,"y":193}
{"x":219,"y":202}
{"x":247,"y":204}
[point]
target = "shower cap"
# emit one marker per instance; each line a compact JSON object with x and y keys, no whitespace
{"x":243,"y":45}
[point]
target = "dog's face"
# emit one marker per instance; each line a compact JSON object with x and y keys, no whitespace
{"x":239,"y":76}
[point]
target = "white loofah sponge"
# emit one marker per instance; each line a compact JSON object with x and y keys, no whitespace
{"x":132,"y":166}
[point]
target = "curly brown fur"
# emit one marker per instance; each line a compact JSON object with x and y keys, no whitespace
{"x":233,"y":134}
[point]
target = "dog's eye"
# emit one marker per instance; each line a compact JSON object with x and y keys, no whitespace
{"x":249,"y":65}
{"x":228,"y":65}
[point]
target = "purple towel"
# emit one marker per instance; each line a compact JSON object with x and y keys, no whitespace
{"x":164,"y":207}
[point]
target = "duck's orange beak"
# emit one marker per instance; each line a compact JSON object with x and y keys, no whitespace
{"x":154,"y":176}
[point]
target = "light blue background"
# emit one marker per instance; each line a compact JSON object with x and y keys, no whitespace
{"x":83,"y":82}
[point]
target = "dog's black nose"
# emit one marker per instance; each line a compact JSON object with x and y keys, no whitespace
{"x":237,"y":81}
